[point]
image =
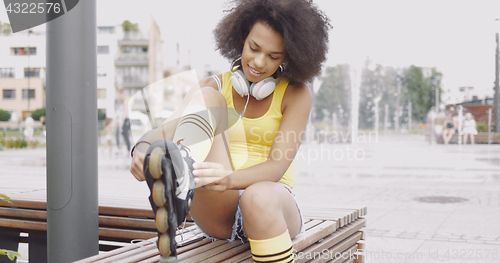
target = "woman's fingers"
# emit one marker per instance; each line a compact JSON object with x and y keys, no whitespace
{"x":210,"y":175}
{"x":137,"y":167}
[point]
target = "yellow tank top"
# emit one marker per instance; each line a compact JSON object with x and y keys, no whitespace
{"x":251,"y":142}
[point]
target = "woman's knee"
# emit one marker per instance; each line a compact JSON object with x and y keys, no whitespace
{"x":209,"y":97}
{"x":260,"y":198}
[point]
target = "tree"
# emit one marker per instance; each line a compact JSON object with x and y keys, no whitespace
{"x":101,"y":115}
{"x":419,"y":85}
{"x":4,"y":115}
{"x":334,"y":94}
{"x":36,"y":114}
{"x":129,"y":26}
{"x":377,"y":84}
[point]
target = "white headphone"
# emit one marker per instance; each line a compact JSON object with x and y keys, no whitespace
{"x":258,"y":90}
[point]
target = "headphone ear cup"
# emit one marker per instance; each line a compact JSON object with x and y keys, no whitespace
{"x":263,"y":88}
{"x":240,"y":83}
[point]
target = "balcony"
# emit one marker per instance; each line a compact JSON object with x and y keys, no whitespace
{"x":132,"y":59}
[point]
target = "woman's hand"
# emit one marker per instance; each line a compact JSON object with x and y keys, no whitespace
{"x":212,"y":176}
{"x":137,"y":166}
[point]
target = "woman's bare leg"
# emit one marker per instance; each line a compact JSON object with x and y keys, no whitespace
{"x":212,"y":211}
{"x":268,"y":210}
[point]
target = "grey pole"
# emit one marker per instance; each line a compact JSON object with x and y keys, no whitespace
{"x":489,"y":125}
{"x":72,"y":203}
{"x":497,"y":88}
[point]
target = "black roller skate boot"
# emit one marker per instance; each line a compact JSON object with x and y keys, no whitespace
{"x":168,"y":169}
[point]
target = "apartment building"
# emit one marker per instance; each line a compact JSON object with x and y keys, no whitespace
{"x":22,"y":72}
{"x":125,"y":60}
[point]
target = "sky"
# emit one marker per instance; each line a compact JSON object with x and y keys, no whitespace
{"x":455,"y":36}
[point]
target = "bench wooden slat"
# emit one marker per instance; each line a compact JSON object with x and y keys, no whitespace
{"x":23,"y":213}
{"x":117,"y":251}
{"x":127,"y":222}
{"x":125,"y":233}
{"x":124,"y":257}
{"x":23,"y":224}
{"x":332,"y":251}
{"x":150,"y":254}
{"x":103,"y":210}
{"x":205,"y":253}
{"x":231,"y":253}
{"x":119,"y":211}
{"x":361,"y":210}
{"x":209,"y":246}
{"x":349,"y":251}
{"x":314,"y":234}
{"x":336,"y":237}
{"x":25,"y":204}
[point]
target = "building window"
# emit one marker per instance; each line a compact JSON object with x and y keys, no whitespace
{"x":28,"y":94}
{"x":31,"y":72}
{"x":102,"y":49}
{"x":101,"y":93}
{"x":23,"y":51}
{"x":7,"y":73}
{"x":106,"y":29}
{"x":9,"y":94}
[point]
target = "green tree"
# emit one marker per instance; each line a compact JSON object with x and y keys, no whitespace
{"x":36,"y":114}
{"x":418,"y":87}
{"x":4,"y":115}
{"x":101,"y":115}
{"x":377,"y":84}
{"x":333,"y":94}
{"x":129,"y":26}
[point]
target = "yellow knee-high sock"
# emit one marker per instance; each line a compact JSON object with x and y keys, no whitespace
{"x":276,"y":249}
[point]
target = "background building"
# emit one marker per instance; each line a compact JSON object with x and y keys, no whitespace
{"x":22,"y":72}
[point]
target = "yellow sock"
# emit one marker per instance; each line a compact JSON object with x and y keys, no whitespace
{"x":276,"y":249}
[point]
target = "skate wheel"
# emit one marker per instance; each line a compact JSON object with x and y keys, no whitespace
{"x":164,"y":245}
{"x":159,"y":193}
{"x":161,"y":220}
{"x":155,"y":162}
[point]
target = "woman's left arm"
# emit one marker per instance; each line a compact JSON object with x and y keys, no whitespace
{"x":296,"y":108}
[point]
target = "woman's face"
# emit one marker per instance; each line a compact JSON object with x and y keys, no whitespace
{"x":263,"y":52}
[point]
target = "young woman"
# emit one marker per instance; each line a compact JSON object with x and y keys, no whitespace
{"x":449,"y":127}
{"x":469,"y":128}
{"x":244,"y":164}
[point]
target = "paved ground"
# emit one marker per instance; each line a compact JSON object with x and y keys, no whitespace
{"x":426,"y":203}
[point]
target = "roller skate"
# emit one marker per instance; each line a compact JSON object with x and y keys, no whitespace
{"x":168,"y":169}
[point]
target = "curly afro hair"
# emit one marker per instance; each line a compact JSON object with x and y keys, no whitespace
{"x":303,"y":26}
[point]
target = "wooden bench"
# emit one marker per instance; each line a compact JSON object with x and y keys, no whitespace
{"x":480,"y":138}
{"x":331,"y":235}
{"x":117,"y":226}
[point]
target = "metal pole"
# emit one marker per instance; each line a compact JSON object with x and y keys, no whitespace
{"x":396,"y":114}
{"x":386,"y":117}
{"x":489,"y":125}
{"x":497,"y":89}
{"x":72,"y":203}
{"x":409,"y":116}
{"x":437,"y":95}
{"x":460,"y":121}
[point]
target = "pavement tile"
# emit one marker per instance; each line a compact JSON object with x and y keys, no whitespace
{"x":456,"y":240}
